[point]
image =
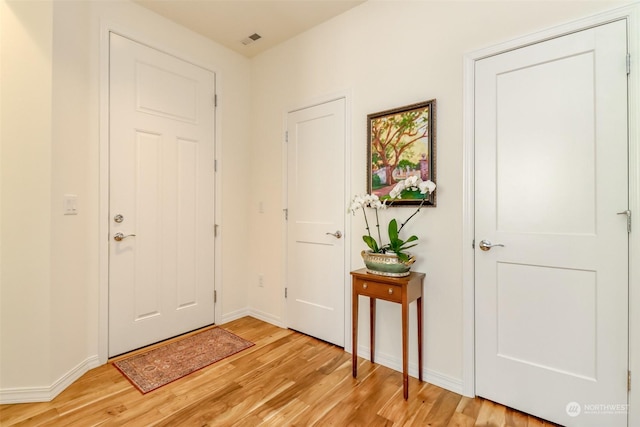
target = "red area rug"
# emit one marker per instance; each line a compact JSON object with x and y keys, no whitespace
{"x":160,"y":366}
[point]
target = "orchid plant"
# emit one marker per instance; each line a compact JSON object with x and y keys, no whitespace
{"x":372,"y":201}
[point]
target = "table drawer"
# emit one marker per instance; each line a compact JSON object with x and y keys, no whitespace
{"x":379,"y":290}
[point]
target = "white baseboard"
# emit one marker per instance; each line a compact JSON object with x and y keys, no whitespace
{"x":234,"y":315}
{"x":266,"y":317}
{"x":46,"y":394}
{"x":455,"y":385}
{"x":433,"y":377}
{"x":260,"y":315}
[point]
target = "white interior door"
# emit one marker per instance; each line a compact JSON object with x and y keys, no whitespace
{"x":551,"y":178}
{"x":161,"y":276}
{"x":316,"y":216}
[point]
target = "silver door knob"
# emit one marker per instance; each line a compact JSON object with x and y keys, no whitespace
{"x":337,"y":234}
{"x":486,"y":245}
{"x":119,"y":236}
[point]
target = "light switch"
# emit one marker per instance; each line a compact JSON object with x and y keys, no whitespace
{"x":70,"y":204}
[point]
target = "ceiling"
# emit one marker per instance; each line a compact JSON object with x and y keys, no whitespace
{"x":229,"y":22}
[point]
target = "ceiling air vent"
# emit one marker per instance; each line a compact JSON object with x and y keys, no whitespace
{"x":253,"y":37}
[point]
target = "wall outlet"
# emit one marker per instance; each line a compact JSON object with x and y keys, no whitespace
{"x":261,"y":280}
{"x":70,"y":204}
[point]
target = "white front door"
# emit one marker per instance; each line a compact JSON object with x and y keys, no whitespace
{"x":316,"y":217}
{"x":161,"y":200}
{"x":551,"y":180}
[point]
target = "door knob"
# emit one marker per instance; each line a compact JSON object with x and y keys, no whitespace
{"x":337,"y":234}
{"x":486,"y":245}
{"x":119,"y":236}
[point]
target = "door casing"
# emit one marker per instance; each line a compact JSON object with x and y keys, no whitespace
{"x":103,"y":215}
{"x":632,"y":15}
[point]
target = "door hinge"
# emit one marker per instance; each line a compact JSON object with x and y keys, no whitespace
{"x":215,"y":297}
{"x":215,"y":99}
{"x":473,"y":244}
{"x":628,"y":380}
{"x":286,"y":214}
{"x":286,"y":136}
{"x":215,"y":165}
{"x":285,"y":292}
{"x":215,"y":230}
{"x":628,"y":64}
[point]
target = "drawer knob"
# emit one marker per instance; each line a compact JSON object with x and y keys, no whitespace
{"x":390,"y":291}
{"x":365,"y":286}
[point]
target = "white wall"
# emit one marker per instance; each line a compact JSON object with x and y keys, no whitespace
{"x":73,"y":249}
{"x":52,"y":293}
{"x":388,"y":54}
{"x":25,"y":171}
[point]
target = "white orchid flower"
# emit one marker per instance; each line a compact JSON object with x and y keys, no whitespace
{"x":358,"y":202}
{"x":377,"y":204}
{"x":425,"y":186}
{"x":366,"y":201}
{"x":370,"y":199}
{"x":396,"y":193}
{"x":412,"y":182}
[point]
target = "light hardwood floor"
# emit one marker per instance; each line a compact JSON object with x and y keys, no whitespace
{"x":286,"y":379}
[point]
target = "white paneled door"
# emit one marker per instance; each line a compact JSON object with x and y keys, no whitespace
{"x":551,"y":197}
{"x":161,"y":200}
{"x":316,"y":218}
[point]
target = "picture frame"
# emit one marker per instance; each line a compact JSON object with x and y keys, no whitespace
{"x":401,"y":142}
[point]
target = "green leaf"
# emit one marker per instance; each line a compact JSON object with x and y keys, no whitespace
{"x":403,"y":257}
{"x":393,"y":230}
{"x":371,"y":242}
{"x":404,"y":248}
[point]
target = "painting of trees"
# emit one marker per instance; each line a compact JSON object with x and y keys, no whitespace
{"x":400,"y":145}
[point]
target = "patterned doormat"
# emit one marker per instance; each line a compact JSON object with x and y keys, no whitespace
{"x":160,"y":366}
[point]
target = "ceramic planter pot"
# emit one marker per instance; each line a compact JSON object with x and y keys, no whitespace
{"x":387,"y":264}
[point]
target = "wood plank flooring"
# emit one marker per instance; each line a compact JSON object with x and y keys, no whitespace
{"x":286,"y":379}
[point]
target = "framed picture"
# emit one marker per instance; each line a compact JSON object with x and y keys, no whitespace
{"x":401,"y":143}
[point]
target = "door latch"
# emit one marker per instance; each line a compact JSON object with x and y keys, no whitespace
{"x":628,"y":214}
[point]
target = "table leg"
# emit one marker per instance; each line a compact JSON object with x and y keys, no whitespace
{"x":354,"y":333}
{"x":405,"y":348}
{"x":372,"y":322}
{"x":419,"y":302}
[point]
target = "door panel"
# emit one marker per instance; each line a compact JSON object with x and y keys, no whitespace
{"x":524,"y":293}
{"x":551,"y":176}
{"x":533,"y":140}
{"x":316,"y":208}
{"x":161,"y":279}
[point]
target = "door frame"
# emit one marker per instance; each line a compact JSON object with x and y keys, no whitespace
{"x":632,"y":14}
{"x":346,"y":95}
{"x":106,"y":28}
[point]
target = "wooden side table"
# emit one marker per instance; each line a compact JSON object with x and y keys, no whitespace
{"x":402,"y":290}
